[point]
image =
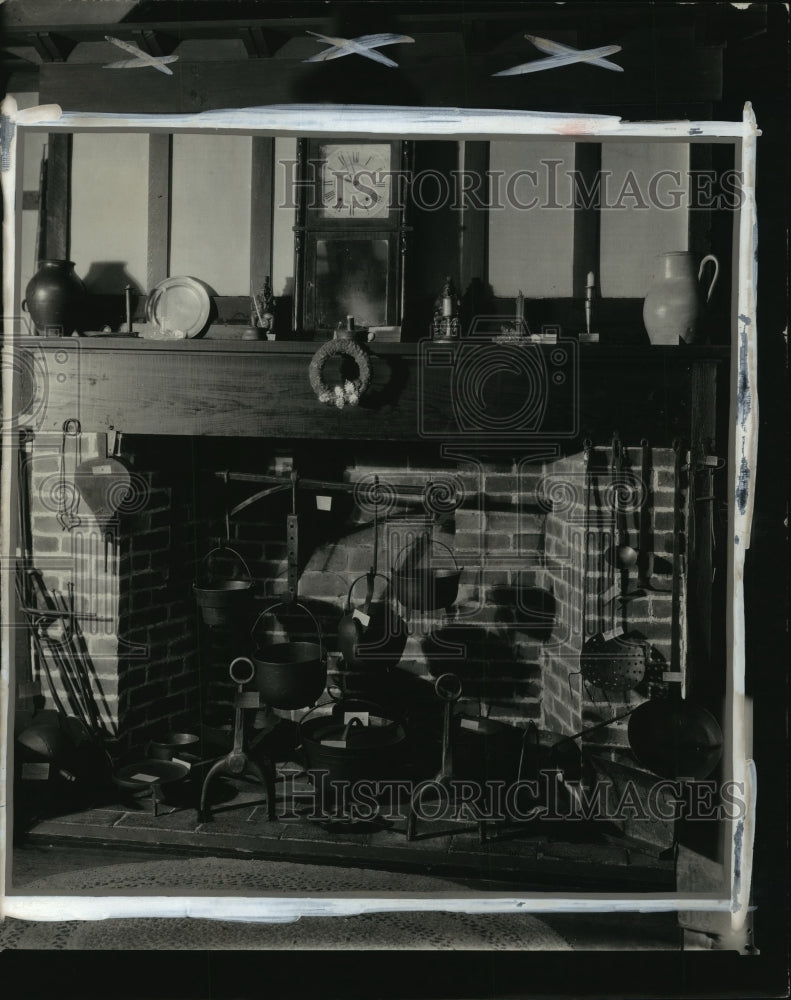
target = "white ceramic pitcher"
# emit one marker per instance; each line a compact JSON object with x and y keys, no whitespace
{"x":675,"y":301}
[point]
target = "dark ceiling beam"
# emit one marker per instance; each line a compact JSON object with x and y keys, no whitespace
{"x":52,"y":46}
{"x":154,"y":43}
{"x":180,"y":30}
{"x":260,"y":43}
{"x":714,"y":27}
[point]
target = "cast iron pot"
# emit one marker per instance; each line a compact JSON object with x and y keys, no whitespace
{"x":336,"y":741}
{"x":218,"y":599}
{"x":290,"y":674}
{"x":422,"y":587}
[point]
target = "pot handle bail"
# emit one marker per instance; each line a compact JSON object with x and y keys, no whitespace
{"x":355,"y":721}
{"x":433,"y":541}
{"x":227,"y":548}
{"x":294,"y":604}
{"x":706,"y":259}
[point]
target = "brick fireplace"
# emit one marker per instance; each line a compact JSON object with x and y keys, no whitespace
{"x":513,"y":635}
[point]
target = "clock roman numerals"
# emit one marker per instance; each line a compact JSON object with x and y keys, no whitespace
{"x":354,"y":180}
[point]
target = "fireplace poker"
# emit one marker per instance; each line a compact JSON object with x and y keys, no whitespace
{"x":77,"y":642}
{"x":34,"y":624}
{"x":54,"y":647}
{"x":72,"y":657}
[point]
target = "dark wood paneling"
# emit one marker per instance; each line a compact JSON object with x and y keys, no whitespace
{"x":261,"y":210}
{"x":435,"y":70}
{"x":58,"y":196}
{"x":474,"y":223}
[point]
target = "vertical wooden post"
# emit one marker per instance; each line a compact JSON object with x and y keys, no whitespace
{"x":586,"y":253}
{"x":160,"y":154}
{"x":475,"y":214}
{"x":262,"y":211}
{"x":299,"y":234}
{"x":58,"y":232}
{"x":700,"y":216}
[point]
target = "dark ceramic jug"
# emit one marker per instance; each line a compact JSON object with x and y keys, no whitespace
{"x":55,"y":298}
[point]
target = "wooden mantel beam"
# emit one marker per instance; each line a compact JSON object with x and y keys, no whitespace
{"x":260,"y":389}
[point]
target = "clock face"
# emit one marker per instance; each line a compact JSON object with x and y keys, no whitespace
{"x":354,"y":180}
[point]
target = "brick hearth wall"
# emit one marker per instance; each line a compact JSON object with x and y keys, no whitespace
{"x":569,"y":705}
{"x":142,"y":647}
{"x":494,"y":535}
{"x":159,"y":678}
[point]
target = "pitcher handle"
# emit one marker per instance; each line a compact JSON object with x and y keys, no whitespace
{"x":706,"y":259}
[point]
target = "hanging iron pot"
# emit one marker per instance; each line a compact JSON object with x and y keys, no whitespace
{"x":427,"y":586}
{"x":290,"y":674}
{"x":220,"y":598}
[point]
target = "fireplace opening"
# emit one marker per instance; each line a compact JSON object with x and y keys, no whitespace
{"x":297,"y":527}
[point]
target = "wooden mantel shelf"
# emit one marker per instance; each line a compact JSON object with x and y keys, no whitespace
{"x":604,"y":351}
{"x":261,"y":389}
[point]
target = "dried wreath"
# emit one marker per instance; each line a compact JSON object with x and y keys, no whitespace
{"x":350,"y":391}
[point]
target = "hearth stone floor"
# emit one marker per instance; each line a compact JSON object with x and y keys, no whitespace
{"x":538,"y":856}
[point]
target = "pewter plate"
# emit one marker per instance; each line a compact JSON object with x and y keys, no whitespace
{"x":179,"y":306}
